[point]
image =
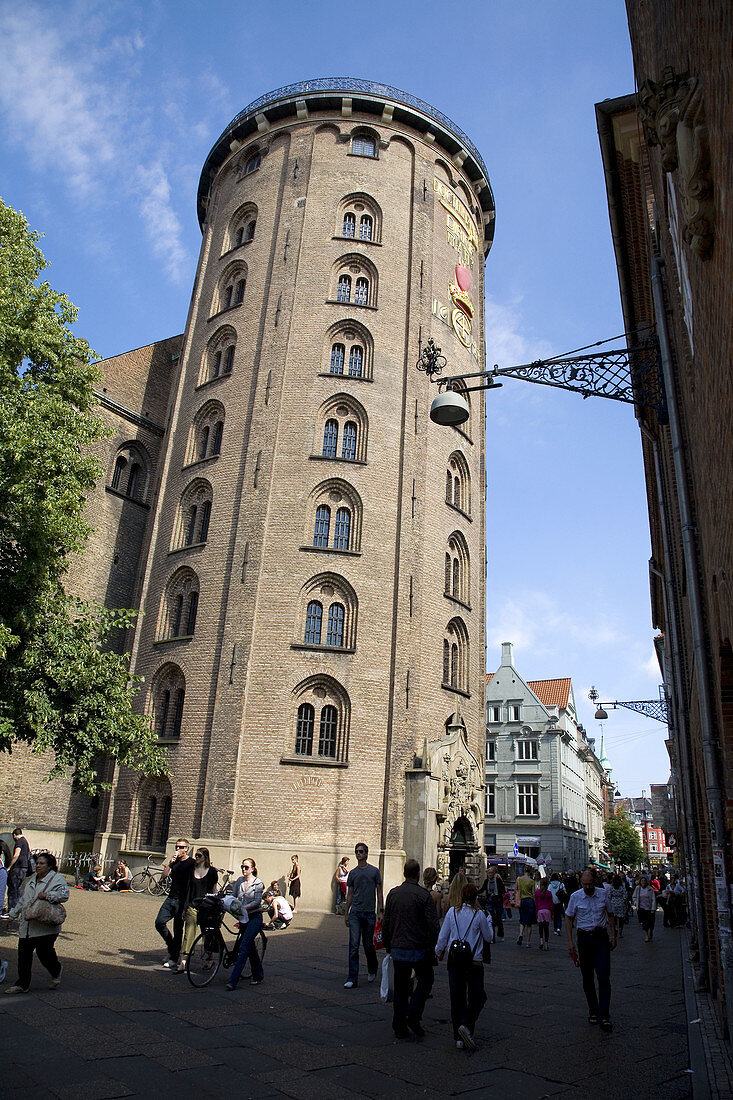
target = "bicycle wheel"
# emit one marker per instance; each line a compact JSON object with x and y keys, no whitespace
{"x":154,"y":886}
{"x":204,"y":958}
{"x":261,"y":945}
{"x":139,"y":882}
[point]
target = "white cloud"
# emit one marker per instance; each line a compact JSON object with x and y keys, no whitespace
{"x":161,"y":222}
{"x":535,"y":621}
{"x":95,"y":136}
{"x":506,"y":345}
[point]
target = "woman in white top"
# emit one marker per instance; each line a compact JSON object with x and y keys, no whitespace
{"x":34,"y":935}
{"x":469,"y":923}
{"x":645,"y":901}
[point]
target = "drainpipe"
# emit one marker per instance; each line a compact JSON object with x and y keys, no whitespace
{"x":690,"y":556}
{"x":689,"y":824}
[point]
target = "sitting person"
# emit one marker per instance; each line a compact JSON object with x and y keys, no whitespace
{"x":121,"y":877}
{"x":93,"y":879}
{"x":279,"y":909}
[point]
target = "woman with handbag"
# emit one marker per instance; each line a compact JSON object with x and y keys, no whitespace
{"x":41,"y":915}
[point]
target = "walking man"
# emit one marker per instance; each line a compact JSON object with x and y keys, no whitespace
{"x":180,"y":868}
{"x":363,"y":894}
{"x":591,"y":909}
{"x":493,"y":891}
{"x":410,"y":932}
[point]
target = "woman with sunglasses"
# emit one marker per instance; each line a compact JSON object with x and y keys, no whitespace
{"x":204,"y":878}
{"x":248,"y":890}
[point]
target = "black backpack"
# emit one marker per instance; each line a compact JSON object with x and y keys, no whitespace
{"x":460,"y":953}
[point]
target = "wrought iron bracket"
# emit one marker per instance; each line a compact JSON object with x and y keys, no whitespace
{"x":629,"y":375}
{"x":652,"y":708}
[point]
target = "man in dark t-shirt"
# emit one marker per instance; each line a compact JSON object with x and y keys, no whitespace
{"x":18,"y":867}
{"x":180,"y":868}
{"x":363,"y":893}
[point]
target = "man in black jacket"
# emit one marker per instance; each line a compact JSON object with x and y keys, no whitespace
{"x":410,"y":931}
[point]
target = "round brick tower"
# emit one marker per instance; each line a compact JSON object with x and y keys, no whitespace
{"x":313,"y":636}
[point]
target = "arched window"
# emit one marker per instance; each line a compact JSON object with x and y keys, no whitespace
{"x":348,"y":350}
{"x":252,"y":163}
{"x":194,"y":514}
{"x":229,"y":359}
{"x":218,"y":359}
{"x":165,"y":821}
{"x":458,"y":483}
{"x":231,"y":287}
{"x":167,"y":697}
{"x":341,"y":532}
{"x":335,"y":632}
{"x":216,"y":365}
{"x":348,"y":440}
{"x":334,"y":498}
{"x":321,"y":703}
{"x":313,"y":619}
{"x":446,"y":587}
{"x":150,"y":812}
{"x":328,"y":732}
{"x":363,"y":145}
{"x":456,"y":656}
{"x":323,"y":523}
{"x":361,"y":295}
{"x":180,"y":605}
{"x":343,"y":289}
{"x":151,"y":815}
{"x":239,"y":291}
{"x":344,"y":429}
{"x":206,"y":432}
{"x":456,"y":579}
{"x":457,"y":569}
{"x":359,"y":210}
{"x":338,"y":354}
{"x":304,"y":730}
{"x":356,"y":359}
{"x":330,"y":438}
{"x":131,"y":471}
{"x":241,"y":226}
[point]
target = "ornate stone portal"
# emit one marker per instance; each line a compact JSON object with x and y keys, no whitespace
{"x":444,"y":804}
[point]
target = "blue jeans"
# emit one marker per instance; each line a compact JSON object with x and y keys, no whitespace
{"x":248,"y":950}
{"x":594,"y":956}
{"x":361,"y":927}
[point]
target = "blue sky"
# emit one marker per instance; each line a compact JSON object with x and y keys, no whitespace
{"x":108,"y":110}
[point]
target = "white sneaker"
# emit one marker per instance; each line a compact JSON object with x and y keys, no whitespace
{"x":349,"y":985}
{"x":459,"y":1044}
{"x":371,"y":977}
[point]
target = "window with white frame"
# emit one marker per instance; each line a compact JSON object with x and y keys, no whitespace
{"x":491,"y":750}
{"x":490,"y":800}
{"x":528,"y":749}
{"x":528,"y":799}
{"x":515,"y":712}
{"x":494,"y":712}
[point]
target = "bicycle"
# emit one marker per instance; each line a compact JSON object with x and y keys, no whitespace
{"x":155,"y":881}
{"x":210,"y":952}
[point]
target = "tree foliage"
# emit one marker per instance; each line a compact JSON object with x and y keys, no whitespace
{"x":60,"y":690}
{"x":622,"y":840}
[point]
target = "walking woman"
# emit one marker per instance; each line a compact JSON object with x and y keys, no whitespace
{"x":248,"y":890}
{"x":342,"y":873}
{"x":545,"y":905}
{"x":204,"y":878}
{"x":524,"y":900}
{"x":469,"y":923}
{"x":618,"y":898}
{"x":645,"y":900}
{"x":294,"y":882}
{"x":35,"y":935}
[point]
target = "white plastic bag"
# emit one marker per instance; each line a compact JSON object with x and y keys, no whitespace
{"x":386,"y":989}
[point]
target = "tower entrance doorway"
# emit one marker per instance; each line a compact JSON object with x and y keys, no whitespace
{"x":462,"y":841}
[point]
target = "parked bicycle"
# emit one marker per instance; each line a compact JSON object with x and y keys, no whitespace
{"x":210,"y":952}
{"x":152,"y":878}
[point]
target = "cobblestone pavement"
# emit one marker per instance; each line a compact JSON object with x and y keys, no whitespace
{"x":120,"y":1025}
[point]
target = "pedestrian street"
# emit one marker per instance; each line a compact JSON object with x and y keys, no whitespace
{"x":121,"y":1026}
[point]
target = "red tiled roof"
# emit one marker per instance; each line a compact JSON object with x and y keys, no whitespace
{"x":552,"y":693}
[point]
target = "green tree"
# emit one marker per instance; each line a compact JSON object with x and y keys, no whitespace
{"x":60,"y":690}
{"x":622,"y":840}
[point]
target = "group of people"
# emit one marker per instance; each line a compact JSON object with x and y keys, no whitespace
{"x":192,"y":878}
{"x":119,"y":880}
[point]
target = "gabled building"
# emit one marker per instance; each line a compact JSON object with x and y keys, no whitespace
{"x":536,"y":761}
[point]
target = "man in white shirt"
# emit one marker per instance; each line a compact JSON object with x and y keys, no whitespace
{"x":590,"y":908}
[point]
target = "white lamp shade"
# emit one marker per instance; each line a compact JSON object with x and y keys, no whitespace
{"x":449,"y":408}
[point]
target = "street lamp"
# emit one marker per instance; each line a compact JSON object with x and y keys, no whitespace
{"x":629,"y":375}
{"x":652,"y":708}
